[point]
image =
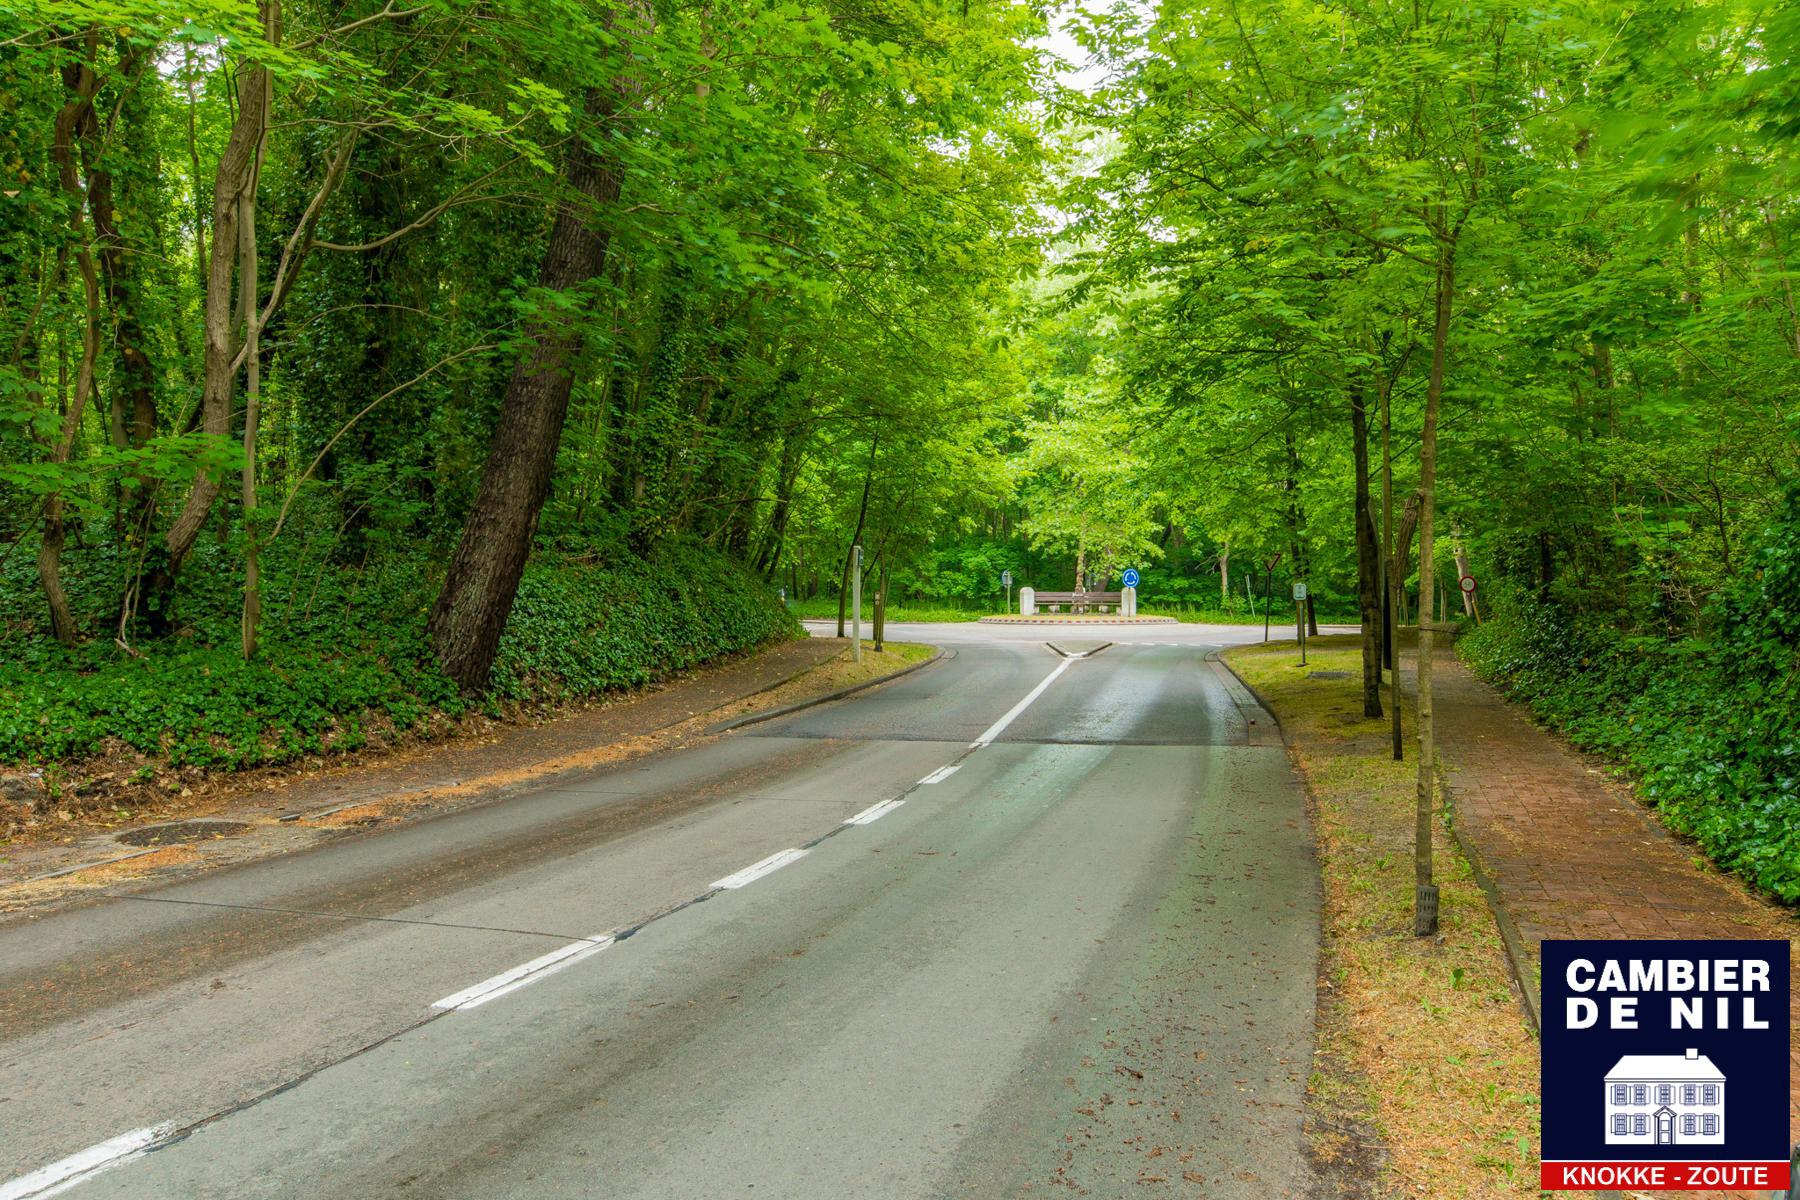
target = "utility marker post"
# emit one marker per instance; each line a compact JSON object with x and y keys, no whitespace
{"x":1300,"y":619}
{"x":856,"y":604}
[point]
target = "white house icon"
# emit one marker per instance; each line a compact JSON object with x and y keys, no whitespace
{"x":1665,"y":1100}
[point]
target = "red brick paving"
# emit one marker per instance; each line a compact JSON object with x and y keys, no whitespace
{"x":1570,"y":852}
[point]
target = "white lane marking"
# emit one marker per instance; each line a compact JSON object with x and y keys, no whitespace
{"x":757,"y":870}
{"x":999,"y":727}
{"x":524,"y":974}
{"x":874,"y":812}
{"x":85,"y":1164}
{"x":942,"y":773}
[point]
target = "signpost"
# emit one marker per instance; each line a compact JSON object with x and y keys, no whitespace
{"x":1006,"y":582}
{"x":1300,"y":619}
{"x":1467,"y":584}
{"x":856,"y":604}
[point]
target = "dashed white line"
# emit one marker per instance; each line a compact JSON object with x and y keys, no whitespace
{"x":874,"y":812}
{"x":523,"y":975}
{"x":84,"y":1165}
{"x":942,"y":773}
{"x":757,"y":870}
{"x":999,"y":727}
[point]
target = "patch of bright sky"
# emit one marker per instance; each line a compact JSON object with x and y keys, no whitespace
{"x":1078,"y":69}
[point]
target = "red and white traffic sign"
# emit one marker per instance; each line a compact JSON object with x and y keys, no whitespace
{"x":1467,"y":583}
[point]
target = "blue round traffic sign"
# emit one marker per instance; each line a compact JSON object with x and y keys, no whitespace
{"x":1130,"y":577}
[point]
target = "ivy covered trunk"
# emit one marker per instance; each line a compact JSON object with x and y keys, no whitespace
{"x":477,"y":597}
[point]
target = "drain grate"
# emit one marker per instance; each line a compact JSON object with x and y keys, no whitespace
{"x":180,"y":831}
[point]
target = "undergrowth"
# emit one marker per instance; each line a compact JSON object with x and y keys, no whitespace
{"x":345,"y":656}
{"x":1710,"y":726}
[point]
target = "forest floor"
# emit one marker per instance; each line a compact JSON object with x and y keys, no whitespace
{"x":235,"y":818}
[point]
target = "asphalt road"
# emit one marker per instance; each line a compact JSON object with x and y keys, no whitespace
{"x":965,"y":945}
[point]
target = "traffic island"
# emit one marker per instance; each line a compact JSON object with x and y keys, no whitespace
{"x":1077,"y":619}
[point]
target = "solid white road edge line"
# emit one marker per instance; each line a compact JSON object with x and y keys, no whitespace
{"x":874,"y":812}
{"x":941,"y":774}
{"x":84,"y":1165}
{"x":526,"y":973}
{"x":999,"y":727}
{"x":757,"y":870}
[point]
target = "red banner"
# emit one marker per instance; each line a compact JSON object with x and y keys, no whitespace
{"x":1663,"y":1176}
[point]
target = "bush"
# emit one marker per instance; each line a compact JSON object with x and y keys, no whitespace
{"x":1711,"y":726}
{"x":346,"y":650}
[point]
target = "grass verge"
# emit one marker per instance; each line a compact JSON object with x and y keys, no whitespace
{"x":1421,"y":1037}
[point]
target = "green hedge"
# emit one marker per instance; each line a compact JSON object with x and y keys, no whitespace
{"x":344,"y":658}
{"x":1710,"y":727}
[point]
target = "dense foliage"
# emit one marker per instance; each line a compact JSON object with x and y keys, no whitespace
{"x":469,"y":305}
{"x":352,"y":662}
{"x":1710,"y":726}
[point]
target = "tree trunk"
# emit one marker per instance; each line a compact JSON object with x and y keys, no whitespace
{"x":248,"y":300}
{"x":862,"y":514}
{"x":477,"y":597}
{"x":133,"y":404}
{"x":1225,"y":575}
{"x":1368,"y":571}
{"x":72,"y":121}
{"x":1425,"y":892}
{"x":1390,"y":572}
{"x":235,"y":174}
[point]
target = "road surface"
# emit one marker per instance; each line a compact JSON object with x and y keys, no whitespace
{"x":1012,"y":922}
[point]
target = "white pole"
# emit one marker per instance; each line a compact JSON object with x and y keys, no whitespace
{"x":856,"y":607}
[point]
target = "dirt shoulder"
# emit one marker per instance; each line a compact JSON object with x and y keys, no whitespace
{"x":1427,"y":1071}
{"x":236,"y":818}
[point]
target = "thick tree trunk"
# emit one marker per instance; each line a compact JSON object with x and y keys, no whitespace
{"x":1425,"y":892}
{"x":1225,"y":575}
{"x":1368,"y":567}
{"x":477,"y":597}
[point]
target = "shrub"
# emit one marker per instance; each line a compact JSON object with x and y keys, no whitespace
{"x":1711,"y":726}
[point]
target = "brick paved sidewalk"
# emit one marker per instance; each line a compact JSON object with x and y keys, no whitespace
{"x":1570,"y":852}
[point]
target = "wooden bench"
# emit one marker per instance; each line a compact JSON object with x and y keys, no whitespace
{"x":1079,"y":602}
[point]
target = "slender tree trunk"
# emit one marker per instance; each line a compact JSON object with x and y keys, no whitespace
{"x":249,"y":300}
{"x":862,"y":514}
{"x":1368,"y":573}
{"x":1225,"y":574}
{"x":132,"y":410}
{"x":477,"y":597}
{"x":1425,"y":892}
{"x":75,"y":116}
{"x":235,"y":174}
{"x":1391,"y":575}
